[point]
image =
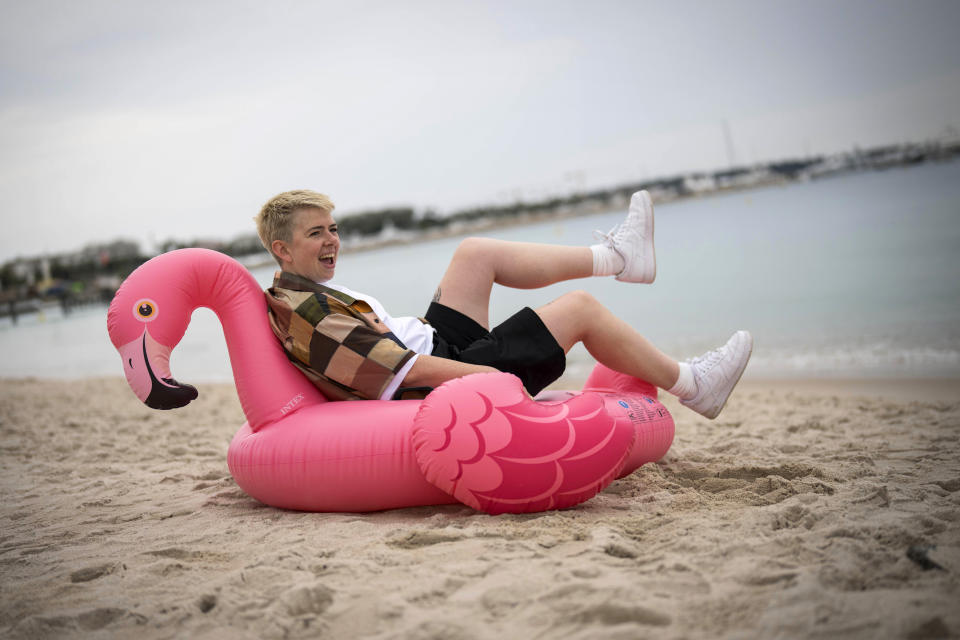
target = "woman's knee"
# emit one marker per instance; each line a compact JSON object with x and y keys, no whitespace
{"x":579,"y":302}
{"x":579,"y":306}
{"x":473,"y":248}
{"x":469,"y":263}
{"x":568,"y":317}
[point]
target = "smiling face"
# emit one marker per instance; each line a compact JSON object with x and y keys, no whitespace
{"x":314,"y":246}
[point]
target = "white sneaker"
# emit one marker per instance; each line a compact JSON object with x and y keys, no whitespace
{"x":717,"y":373}
{"x":633,"y":240}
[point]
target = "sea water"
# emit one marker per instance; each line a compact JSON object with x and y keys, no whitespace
{"x":851,"y":276}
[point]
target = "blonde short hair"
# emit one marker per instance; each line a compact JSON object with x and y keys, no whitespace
{"x":275,"y":220}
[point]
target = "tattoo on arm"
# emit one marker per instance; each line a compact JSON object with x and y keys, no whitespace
{"x":436,"y":296}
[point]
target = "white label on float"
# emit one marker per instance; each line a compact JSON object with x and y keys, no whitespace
{"x":290,"y":405}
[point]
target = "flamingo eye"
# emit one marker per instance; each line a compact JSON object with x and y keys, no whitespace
{"x":145,"y":310}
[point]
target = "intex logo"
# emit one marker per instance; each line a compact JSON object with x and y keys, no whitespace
{"x":290,"y":405}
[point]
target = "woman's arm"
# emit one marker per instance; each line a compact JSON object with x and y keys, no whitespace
{"x":431,"y":371}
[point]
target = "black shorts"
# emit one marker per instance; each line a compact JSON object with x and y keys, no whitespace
{"x":521,"y":345}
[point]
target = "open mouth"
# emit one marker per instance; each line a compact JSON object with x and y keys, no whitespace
{"x":328,"y":259}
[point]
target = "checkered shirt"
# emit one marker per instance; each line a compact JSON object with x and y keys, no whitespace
{"x":337,"y":341}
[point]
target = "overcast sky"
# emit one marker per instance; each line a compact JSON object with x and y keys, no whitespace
{"x":167,"y":119}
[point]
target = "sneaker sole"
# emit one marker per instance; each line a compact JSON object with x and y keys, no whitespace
{"x":649,"y":270}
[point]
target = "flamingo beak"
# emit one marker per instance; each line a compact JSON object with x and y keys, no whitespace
{"x":146,"y":364}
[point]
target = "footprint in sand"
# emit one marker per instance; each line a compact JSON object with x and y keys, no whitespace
{"x":306,"y":599}
{"x":92,"y":573}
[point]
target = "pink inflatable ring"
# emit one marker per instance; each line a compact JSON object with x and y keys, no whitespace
{"x":479,"y":440}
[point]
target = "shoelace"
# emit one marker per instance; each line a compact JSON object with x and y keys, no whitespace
{"x":709,"y":359}
{"x":610,"y":238}
{"x":607,"y":238}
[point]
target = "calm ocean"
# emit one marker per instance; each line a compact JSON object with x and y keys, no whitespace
{"x":852,"y":276}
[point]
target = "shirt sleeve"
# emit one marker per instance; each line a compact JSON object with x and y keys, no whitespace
{"x":346,"y":351}
{"x":336,"y":347}
{"x":398,"y":379}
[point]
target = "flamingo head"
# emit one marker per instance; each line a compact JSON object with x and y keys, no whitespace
{"x":146,"y":320}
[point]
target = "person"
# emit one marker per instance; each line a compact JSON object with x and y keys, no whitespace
{"x":350,"y":347}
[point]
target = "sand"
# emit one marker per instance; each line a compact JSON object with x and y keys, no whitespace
{"x":807,"y":510}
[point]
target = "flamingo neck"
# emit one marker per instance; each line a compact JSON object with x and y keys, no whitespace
{"x":268,"y":385}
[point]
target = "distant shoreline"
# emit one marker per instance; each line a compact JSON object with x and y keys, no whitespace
{"x":583,"y":209}
{"x":99,"y":267}
{"x":440,"y":234}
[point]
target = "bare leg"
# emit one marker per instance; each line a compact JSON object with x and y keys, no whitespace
{"x":578,"y":317}
{"x":478,"y":263}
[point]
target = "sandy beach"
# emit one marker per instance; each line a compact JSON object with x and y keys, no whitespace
{"x":809,"y":509}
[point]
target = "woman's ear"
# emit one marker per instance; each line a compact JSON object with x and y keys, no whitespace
{"x":280,"y":249}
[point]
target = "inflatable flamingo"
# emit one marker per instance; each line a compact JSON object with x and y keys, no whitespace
{"x":479,"y":440}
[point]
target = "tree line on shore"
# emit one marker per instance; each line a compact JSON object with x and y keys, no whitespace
{"x":93,"y":273}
